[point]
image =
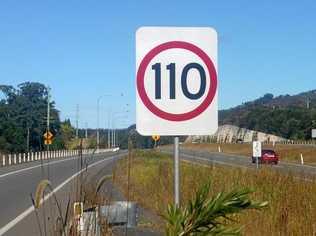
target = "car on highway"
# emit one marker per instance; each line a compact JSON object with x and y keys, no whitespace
{"x":267,"y":156}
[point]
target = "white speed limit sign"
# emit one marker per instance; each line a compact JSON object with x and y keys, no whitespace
{"x":176,"y":81}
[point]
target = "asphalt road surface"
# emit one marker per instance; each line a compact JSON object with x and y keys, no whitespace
{"x":301,"y":171}
{"x":17,"y":215}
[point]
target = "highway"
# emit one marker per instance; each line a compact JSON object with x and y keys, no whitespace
{"x":17,"y":216}
{"x":17,"y":182}
{"x":203,"y":157}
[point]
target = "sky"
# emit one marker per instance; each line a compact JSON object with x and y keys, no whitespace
{"x":86,"y":49}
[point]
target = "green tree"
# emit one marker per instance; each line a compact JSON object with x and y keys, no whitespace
{"x":23,"y":117}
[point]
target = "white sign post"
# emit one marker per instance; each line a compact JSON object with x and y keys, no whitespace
{"x":256,"y":151}
{"x":313,"y":133}
{"x":176,"y":82}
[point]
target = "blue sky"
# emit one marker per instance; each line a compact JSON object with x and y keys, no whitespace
{"x":83,"y":49}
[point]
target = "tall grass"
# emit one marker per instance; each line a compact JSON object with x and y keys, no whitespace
{"x":52,"y":219}
{"x":292,"y":202}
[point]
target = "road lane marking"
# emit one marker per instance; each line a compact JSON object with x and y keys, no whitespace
{"x":232,"y":157}
{"x":234,"y":165}
{"x":214,"y":161}
{"x":29,"y":210}
{"x":33,"y":167}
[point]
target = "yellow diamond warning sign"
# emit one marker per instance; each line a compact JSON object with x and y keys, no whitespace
{"x":48,"y":135}
{"x":48,"y":138}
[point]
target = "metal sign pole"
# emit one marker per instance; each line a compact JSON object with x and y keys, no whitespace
{"x":176,"y":172}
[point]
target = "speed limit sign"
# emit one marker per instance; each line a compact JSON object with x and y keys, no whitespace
{"x":176,"y":81}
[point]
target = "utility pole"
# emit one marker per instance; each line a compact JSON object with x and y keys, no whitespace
{"x":77,"y":120}
{"x":48,"y":112}
{"x":48,"y":124}
{"x":109,"y":141}
{"x":98,"y":119}
{"x":112,"y":135}
{"x":109,"y":132}
{"x":307,"y":103}
{"x":86,"y":130}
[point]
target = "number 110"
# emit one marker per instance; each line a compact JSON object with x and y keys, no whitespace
{"x":184,"y":80}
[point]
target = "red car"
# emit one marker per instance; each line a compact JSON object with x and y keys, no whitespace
{"x":267,"y":156}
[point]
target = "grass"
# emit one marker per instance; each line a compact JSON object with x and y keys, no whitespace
{"x":84,"y":189}
{"x":287,"y":152}
{"x":292,"y":202}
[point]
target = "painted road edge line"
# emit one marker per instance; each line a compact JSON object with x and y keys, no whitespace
{"x":33,"y":167}
{"x":230,"y":164}
{"x":28,"y":211}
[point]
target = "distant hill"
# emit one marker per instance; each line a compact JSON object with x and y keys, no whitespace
{"x":286,"y":116}
{"x":291,"y":117}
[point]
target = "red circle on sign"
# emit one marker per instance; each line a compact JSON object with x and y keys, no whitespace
{"x":141,"y":85}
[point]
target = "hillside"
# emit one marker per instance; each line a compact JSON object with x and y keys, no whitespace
{"x":291,"y":117}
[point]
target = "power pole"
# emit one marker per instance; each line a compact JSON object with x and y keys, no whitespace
{"x":307,"y":103}
{"x":77,"y":120}
{"x":48,"y":124}
{"x":48,"y":111}
{"x":86,"y":130}
{"x":109,"y":132}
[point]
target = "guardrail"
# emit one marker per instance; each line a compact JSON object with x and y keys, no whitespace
{"x":19,"y":158}
{"x":290,"y":142}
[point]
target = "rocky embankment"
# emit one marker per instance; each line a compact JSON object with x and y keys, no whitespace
{"x":233,"y":134}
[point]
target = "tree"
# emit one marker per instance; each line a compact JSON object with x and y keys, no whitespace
{"x":23,"y":114}
{"x":67,"y":131}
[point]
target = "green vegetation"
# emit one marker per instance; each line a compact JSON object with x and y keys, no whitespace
{"x":292,"y":201}
{"x":206,"y":215}
{"x":286,"y":116}
{"x":23,"y":112}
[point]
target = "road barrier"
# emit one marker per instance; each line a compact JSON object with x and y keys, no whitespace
{"x":273,"y":143}
{"x":19,"y":158}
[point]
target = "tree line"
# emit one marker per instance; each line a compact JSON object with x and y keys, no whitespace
{"x":290,"y":121}
{"x":23,"y":116}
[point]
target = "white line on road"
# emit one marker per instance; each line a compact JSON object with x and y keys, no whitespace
{"x":214,"y":161}
{"x":234,"y":165}
{"x":234,"y":157}
{"x":33,"y":167}
{"x":28,"y":211}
